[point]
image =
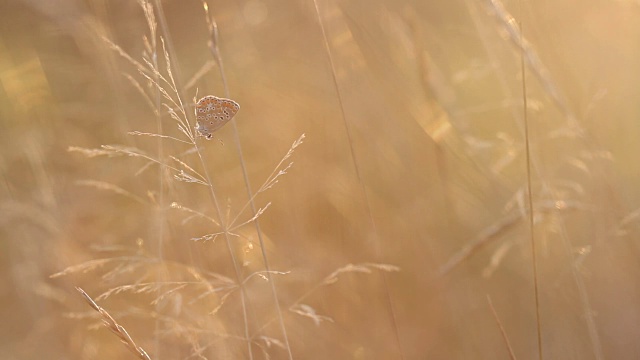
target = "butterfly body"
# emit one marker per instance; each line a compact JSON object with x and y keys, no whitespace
{"x":213,"y":112}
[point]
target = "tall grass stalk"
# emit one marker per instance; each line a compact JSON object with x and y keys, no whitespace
{"x":215,"y":52}
{"x":532,"y":238}
{"x":151,"y":44}
{"x":529,"y":60}
{"x":363,"y":190}
{"x":572,"y":129}
{"x":214,"y":198}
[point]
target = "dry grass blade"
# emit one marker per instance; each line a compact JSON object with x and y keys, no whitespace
{"x":204,"y":70}
{"x":146,"y":288}
{"x":541,"y":72}
{"x":140,"y":133}
{"x":133,"y":152}
{"x":126,"y":56}
{"x":512,"y":355}
{"x":272,"y":179}
{"x":258,"y":214}
{"x":117,"y":329}
{"x":308,"y":311}
{"x":90,"y":153}
{"x":360,"y":268}
{"x":499,"y":228}
{"x":198,"y":214}
{"x":84,"y":267}
{"x":105,"y":186}
{"x":136,"y":85}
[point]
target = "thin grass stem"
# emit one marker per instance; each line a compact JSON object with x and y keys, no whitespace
{"x":503,"y":332}
{"x":532,"y":240}
{"x":215,"y":51}
{"x":168,"y":54}
{"x":354,"y":160}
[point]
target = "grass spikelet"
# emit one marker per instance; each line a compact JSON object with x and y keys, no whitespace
{"x":111,"y":324}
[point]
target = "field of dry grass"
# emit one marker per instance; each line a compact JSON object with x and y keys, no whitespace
{"x":404,"y":180}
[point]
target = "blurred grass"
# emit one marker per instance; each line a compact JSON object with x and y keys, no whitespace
{"x":414,"y":156}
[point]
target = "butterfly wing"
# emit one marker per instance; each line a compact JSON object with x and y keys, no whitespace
{"x":213,"y":112}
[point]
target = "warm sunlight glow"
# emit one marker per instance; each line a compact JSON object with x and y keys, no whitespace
{"x":314,"y":179}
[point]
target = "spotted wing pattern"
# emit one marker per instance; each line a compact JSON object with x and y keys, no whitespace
{"x":213,"y":112}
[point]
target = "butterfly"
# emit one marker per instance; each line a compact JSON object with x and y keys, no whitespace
{"x":212,"y":113}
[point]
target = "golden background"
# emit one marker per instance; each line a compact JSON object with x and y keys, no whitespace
{"x":404,"y":228}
